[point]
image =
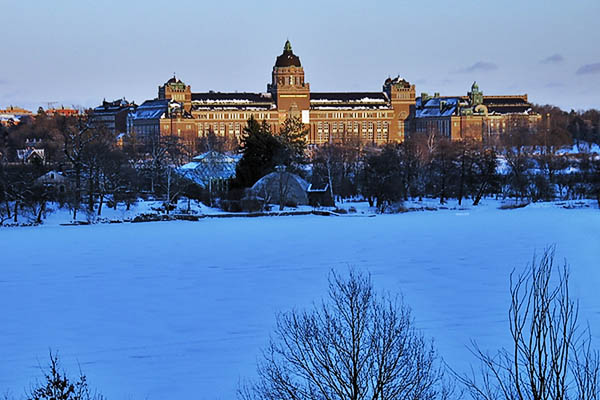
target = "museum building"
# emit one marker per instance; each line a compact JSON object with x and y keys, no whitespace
{"x":368,"y":117}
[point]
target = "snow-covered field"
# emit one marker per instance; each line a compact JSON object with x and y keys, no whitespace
{"x":174,"y":310}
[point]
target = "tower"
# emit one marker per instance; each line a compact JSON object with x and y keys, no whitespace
{"x":475,"y":95}
{"x":290,"y":92}
{"x":401,"y":95}
{"x":175,"y":89}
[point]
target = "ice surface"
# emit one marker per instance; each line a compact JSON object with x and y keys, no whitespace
{"x":181,"y":309}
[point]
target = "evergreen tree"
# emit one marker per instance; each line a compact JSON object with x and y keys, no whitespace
{"x":262,"y":151}
{"x":258,"y":148}
{"x":293,"y":139}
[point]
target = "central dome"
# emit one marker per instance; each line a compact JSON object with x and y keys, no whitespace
{"x":288,"y":58}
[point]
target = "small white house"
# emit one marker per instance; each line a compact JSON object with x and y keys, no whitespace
{"x":54,"y":180}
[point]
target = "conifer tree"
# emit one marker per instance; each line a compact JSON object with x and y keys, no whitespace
{"x":293,"y":138}
{"x":258,"y":147}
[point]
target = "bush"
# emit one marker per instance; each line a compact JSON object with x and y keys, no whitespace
{"x":358,"y":345}
{"x":549,"y":357}
{"x":57,"y":386}
{"x":512,"y":206}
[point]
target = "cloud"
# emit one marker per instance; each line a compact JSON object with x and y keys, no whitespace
{"x":589,"y":69}
{"x":479,"y":66}
{"x":553,"y":59}
{"x":551,"y":85}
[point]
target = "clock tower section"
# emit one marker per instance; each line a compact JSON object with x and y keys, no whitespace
{"x":288,"y":88}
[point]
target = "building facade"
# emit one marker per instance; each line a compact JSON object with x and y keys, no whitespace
{"x":473,"y":116}
{"x":367,"y":117}
{"x":62,"y":111}
{"x":112,"y":115}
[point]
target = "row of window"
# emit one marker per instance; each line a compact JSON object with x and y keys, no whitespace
{"x":290,"y":80}
{"x":341,"y":115}
{"x":367,"y":130}
{"x":441,"y":126}
{"x":237,"y":116}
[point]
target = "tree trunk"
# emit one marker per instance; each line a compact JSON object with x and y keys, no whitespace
{"x":168,"y":205}
{"x":479,"y":194}
{"x":329,"y":181}
{"x":462,"y":180}
{"x":100,"y":203}
{"x":8,"y":214}
{"x":40,"y":212}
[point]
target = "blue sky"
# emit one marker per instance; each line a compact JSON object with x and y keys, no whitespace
{"x":79,"y":52}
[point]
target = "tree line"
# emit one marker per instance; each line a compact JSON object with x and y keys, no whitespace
{"x":522,"y":163}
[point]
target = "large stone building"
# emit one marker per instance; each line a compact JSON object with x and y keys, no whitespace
{"x":473,"y":116}
{"x":369,"y":117}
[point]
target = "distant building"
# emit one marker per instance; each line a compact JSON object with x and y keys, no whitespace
{"x":54,"y":181}
{"x":16,"y":111}
{"x":376,"y":117}
{"x":9,"y":120}
{"x":211,"y":168}
{"x":369,"y":117}
{"x":112,"y":115}
{"x":65,"y":112}
{"x":13,"y":115}
{"x":145,"y":122}
{"x":31,"y":155}
{"x":473,"y":116}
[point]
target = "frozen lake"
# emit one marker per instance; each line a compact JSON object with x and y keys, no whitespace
{"x":181,"y":309}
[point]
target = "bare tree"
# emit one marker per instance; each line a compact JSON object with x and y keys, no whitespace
{"x":549,"y":359}
{"x":283,"y":183}
{"x":356,"y":346}
{"x":76,"y":143}
{"x":57,"y":386}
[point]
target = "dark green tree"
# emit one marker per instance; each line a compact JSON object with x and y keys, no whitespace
{"x":260,"y":152}
{"x":293,"y":139}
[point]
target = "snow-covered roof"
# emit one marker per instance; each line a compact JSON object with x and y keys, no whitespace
{"x":151,"y":109}
{"x":232,"y":101}
{"x":349,"y":100}
{"x":210,"y":166}
{"x":436,"y":107}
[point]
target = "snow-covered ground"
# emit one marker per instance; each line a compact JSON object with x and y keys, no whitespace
{"x":181,"y":309}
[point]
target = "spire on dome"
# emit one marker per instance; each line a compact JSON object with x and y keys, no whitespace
{"x":287,"y":58}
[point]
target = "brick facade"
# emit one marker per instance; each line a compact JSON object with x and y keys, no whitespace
{"x":368,"y":117}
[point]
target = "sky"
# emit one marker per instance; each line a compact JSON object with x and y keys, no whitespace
{"x":79,"y":52}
